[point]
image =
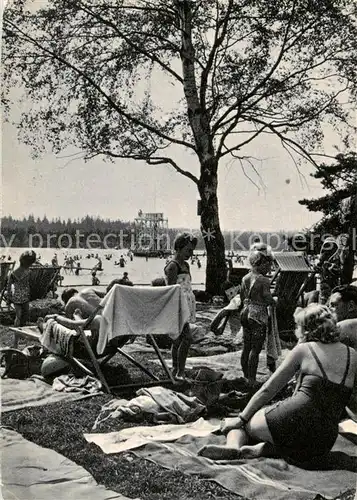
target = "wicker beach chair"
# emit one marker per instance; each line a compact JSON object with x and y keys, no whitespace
{"x":291,"y":277}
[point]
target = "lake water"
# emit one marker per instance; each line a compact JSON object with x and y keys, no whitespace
{"x":141,"y":272}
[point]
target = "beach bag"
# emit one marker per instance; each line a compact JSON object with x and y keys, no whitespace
{"x":21,"y":364}
{"x":206,"y":386}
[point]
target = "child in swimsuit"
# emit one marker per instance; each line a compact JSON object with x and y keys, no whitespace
{"x":255,"y":297}
{"x":302,"y":428}
{"x":18,"y":287}
{"x":177,"y":271}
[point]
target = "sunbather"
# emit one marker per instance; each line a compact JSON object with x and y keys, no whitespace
{"x":85,"y":301}
{"x":79,"y":306}
{"x":304,"y":426}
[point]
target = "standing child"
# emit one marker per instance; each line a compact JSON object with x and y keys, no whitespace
{"x":177,"y":271}
{"x":95,"y":279}
{"x":255,"y":297}
{"x":19,"y":287}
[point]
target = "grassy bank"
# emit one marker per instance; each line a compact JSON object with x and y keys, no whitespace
{"x":61,"y":426}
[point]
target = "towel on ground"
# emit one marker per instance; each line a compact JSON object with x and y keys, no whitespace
{"x":273,"y":344}
{"x":57,"y":338}
{"x":182,"y":408}
{"x":30,"y":472}
{"x":142,"y":310}
{"x":34,"y":391}
{"x":70,"y":383}
{"x":259,"y":478}
{"x":162,"y":404}
{"x":134,"y":437}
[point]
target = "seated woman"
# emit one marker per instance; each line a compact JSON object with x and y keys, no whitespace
{"x":305,"y":426}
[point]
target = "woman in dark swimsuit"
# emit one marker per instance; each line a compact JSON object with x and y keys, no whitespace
{"x":304,"y":426}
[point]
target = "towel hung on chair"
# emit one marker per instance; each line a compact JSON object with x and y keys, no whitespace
{"x":142,"y":310}
{"x":57,"y":338}
{"x":273,"y":345}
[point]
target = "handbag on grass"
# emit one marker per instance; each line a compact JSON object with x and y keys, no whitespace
{"x":21,"y":364}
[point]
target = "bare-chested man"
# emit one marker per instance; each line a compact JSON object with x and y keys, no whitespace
{"x":343,"y":302}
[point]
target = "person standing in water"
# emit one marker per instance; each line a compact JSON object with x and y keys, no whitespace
{"x":177,"y":271}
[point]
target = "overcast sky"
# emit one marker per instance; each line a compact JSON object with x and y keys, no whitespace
{"x":58,"y":187}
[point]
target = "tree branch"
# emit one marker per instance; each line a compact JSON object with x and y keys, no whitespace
{"x":160,"y":160}
{"x":218,"y":40}
{"x":239,"y":146}
{"x":97,"y":87}
{"x":260,"y":84}
{"x":300,"y":150}
{"x":134,"y":46}
{"x":151,"y":160}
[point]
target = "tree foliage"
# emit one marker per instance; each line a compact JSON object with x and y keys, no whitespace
{"x":31,"y":230}
{"x":340,"y":181}
{"x":271,"y":67}
{"x":92,"y":73}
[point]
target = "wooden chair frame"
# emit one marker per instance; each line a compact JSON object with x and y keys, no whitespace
{"x":99,"y":361}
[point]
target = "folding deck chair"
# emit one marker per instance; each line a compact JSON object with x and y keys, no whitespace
{"x":42,"y":280}
{"x":98,"y":361}
{"x":5,"y":269}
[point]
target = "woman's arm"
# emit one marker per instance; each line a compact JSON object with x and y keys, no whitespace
{"x":171,"y":273}
{"x":351,"y":408}
{"x":276,"y":382}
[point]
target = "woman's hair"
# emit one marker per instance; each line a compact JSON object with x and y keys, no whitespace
{"x":315,"y":323}
{"x":183,"y":239}
{"x":27,"y":258}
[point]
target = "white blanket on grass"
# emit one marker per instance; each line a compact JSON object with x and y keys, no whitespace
{"x":134,"y":437}
{"x":142,"y":310}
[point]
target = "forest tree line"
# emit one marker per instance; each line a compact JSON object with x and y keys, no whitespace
{"x":37,"y":232}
